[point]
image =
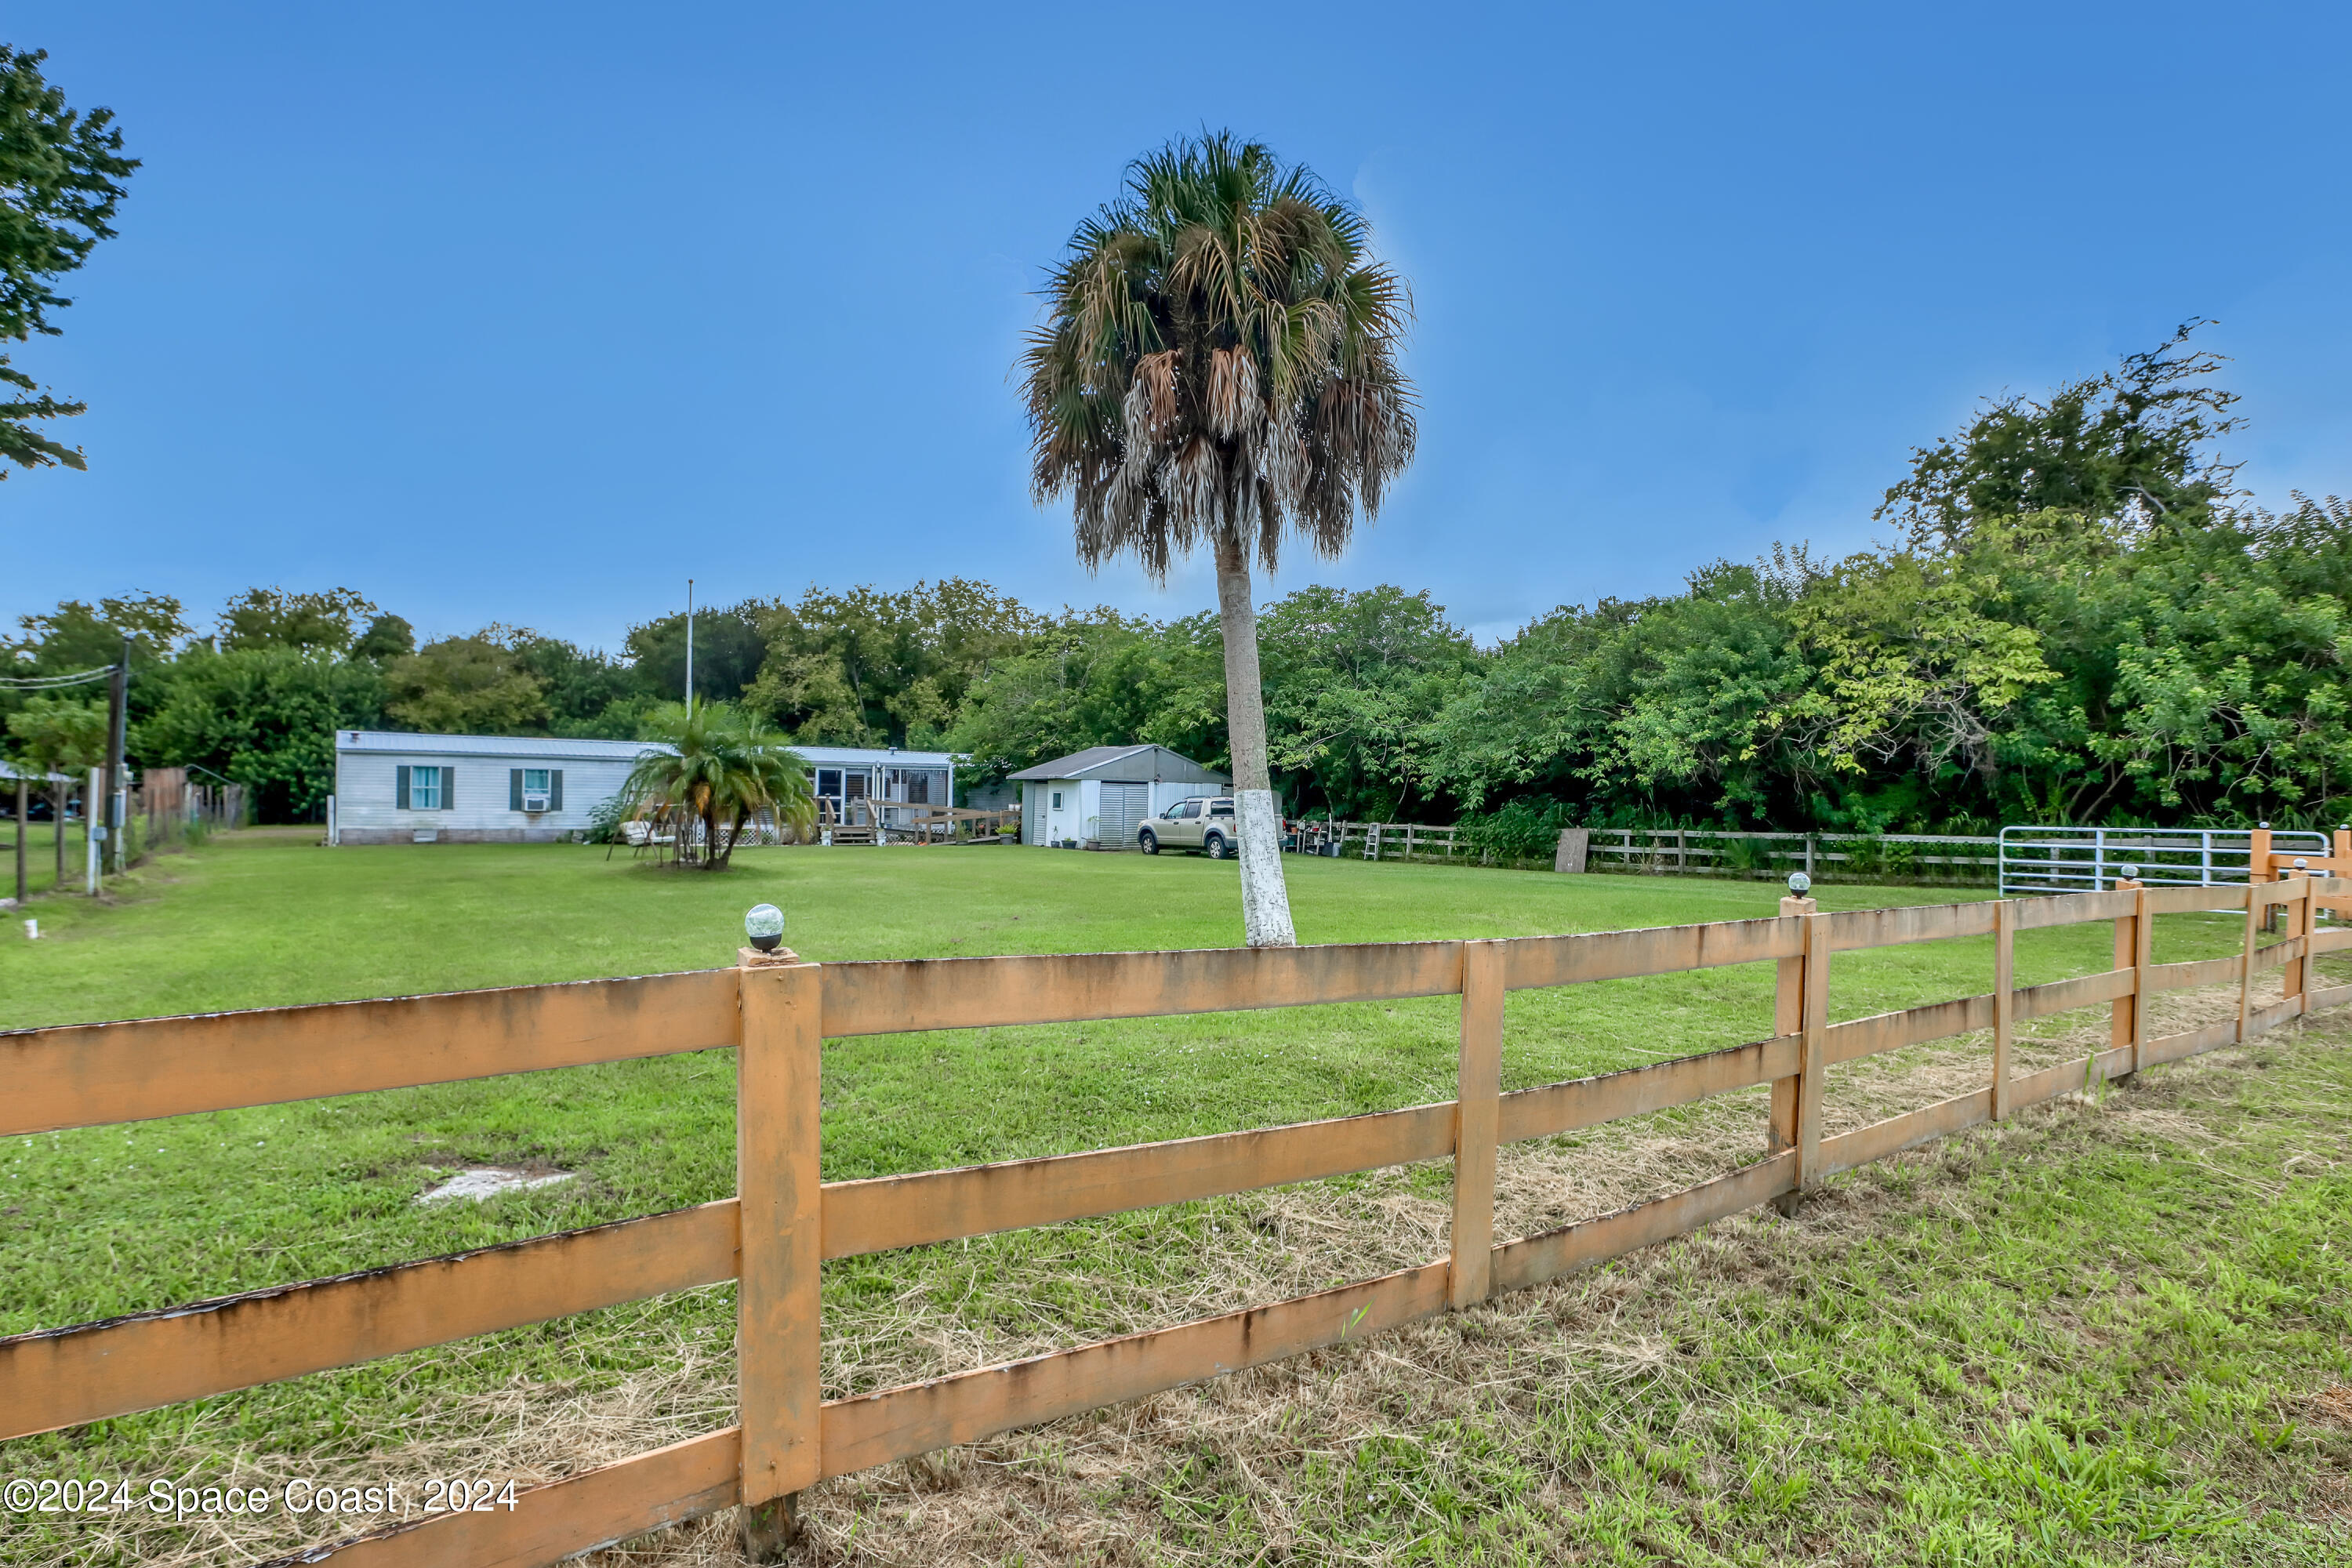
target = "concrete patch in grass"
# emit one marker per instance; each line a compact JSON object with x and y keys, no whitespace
{"x":481,"y":1182}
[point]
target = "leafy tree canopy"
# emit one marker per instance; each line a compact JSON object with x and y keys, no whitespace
{"x":59,"y":734}
{"x":272,"y":618}
{"x":2118,"y":667}
{"x":466,"y":686}
{"x":387,"y":637}
{"x":77,"y":636}
{"x":2132,"y":443}
{"x":61,"y":175}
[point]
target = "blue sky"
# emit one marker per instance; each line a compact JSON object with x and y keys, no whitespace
{"x":529,"y":312}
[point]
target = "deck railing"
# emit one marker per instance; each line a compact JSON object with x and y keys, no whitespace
{"x":784,"y":1222}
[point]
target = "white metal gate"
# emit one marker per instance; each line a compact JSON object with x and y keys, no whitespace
{"x":2084,"y":860}
{"x":1124,"y":807}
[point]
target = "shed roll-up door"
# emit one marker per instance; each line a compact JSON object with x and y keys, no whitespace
{"x":1124,"y":807}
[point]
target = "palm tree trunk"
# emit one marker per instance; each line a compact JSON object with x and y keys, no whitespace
{"x":1265,"y":897}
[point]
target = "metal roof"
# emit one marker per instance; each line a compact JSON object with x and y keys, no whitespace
{"x":492,"y":745}
{"x":1126,"y":763}
{"x":896,"y":757}
{"x":602,"y":750}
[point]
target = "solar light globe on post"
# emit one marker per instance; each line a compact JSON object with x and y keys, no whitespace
{"x":1797,"y":902}
{"x":2127,"y":874}
{"x":764,"y":925}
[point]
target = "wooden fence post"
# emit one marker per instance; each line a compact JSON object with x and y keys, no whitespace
{"x":2004,"y":1000}
{"x":2256,"y":910}
{"x":779,"y":1243}
{"x":2126,"y":1026}
{"x":1816,"y":1035}
{"x":2258,"y":863}
{"x":1801,"y":1008}
{"x":2296,"y":974}
{"x":1788,"y":1018}
{"x":1475,"y":1115}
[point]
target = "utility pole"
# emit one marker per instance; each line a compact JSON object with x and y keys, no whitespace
{"x":118,"y":737}
{"x":689,"y":647}
{"x":24,"y":822}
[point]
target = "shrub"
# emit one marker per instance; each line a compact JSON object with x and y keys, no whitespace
{"x":1519,"y":831}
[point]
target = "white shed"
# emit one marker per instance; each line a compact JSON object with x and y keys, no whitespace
{"x":1102,"y":796}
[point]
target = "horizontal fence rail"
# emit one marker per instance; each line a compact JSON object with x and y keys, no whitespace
{"x":1768,"y":857}
{"x":775,"y":1011}
{"x":2065,"y":859}
{"x":1673,"y":851}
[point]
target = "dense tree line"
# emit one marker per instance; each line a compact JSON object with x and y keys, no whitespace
{"x":2078,"y":620}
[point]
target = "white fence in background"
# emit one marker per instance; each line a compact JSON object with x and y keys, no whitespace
{"x":1688,"y":852}
{"x":2021,"y":860}
{"x":1856,"y":856}
{"x":2083,"y":859}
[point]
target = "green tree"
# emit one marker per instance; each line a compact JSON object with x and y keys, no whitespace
{"x":387,"y":637}
{"x":728,"y":651}
{"x":717,"y":766}
{"x":466,"y":686}
{"x":1219,"y":367}
{"x":589,"y":695}
{"x":1098,"y":678}
{"x":59,"y":734}
{"x":77,"y":636}
{"x":1915,"y":662}
{"x":868,"y":667}
{"x":264,"y":716}
{"x":272,"y":618}
{"x":1351,"y":678}
{"x":60,"y":181}
{"x":2131,"y":442}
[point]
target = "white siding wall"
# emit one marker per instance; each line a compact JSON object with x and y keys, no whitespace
{"x":1081,"y":802}
{"x":366,"y":809}
{"x":1081,"y":812}
{"x":1164,"y":795}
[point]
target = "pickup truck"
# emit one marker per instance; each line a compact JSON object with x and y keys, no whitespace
{"x":1204,"y":823}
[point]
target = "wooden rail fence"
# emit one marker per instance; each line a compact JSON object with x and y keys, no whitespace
{"x":772,"y":1238}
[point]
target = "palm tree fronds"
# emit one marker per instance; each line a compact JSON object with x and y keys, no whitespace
{"x":1219,"y":363}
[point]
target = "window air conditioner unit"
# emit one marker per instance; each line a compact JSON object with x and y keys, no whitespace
{"x":534,"y":802}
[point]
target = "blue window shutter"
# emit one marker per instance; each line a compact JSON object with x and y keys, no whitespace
{"x":555,"y":790}
{"x":448,"y":789}
{"x":400,"y":788}
{"x":514,"y":789}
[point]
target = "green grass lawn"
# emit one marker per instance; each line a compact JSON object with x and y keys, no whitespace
{"x":40,"y":858}
{"x":108,"y":1220}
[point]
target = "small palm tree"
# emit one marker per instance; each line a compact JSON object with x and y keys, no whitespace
{"x":1218,"y":365}
{"x":721,"y":766}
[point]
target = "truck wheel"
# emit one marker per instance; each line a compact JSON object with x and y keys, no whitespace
{"x":1149,"y":841}
{"x":1214,"y":847}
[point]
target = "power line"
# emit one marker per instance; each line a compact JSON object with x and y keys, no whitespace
{"x":51,"y":682}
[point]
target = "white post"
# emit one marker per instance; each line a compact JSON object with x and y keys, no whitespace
{"x":331,"y":838}
{"x":93,"y":828}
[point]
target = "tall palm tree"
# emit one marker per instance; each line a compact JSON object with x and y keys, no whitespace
{"x":720,"y":766}
{"x":1218,"y":366}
